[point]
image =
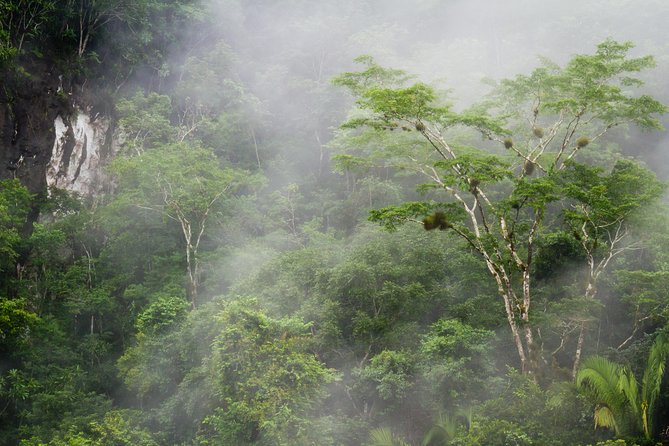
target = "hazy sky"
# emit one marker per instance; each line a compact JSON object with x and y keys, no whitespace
{"x":290,"y":49}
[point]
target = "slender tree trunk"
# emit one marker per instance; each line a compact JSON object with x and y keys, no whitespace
{"x":508,"y":298}
{"x":534,"y":365}
{"x":579,"y":351}
{"x":590,"y":293}
{"x":515,"y":332}
{"x":255,"y":146}
{"x":191,"y":266}
{"x":191,"y":259}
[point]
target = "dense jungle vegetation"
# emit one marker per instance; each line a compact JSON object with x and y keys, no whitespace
{"x":302,"y":245}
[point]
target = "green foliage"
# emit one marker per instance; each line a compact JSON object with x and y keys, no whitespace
{"x":594,"y":85}
{"x":22,"y":21}
{"x":473,"y":168}
{"x":621,"y":405}
{"x":500,"y":206}
{"x":238,"y":375}
{"x":391,"y":374}
{"x":646,"y":293}
{"x":145,"y":120}
{"x":651,"y":382}
{"x":116,"y":428}
{"x":606,"y":381}
{"x":186,"y":187}
{"x":521,"y":412}
{"x":176,"y":180}
{"x":373,"y":75}
{"x":206,"y":84}
{"x":375,"y":294}
{"x":14,"y":206}
{"x":61,"y":406}
{"x":350,"y":330}
{"x":390,"y":105}
{"x":496,"y":433}
{"x":535,"y":193}
{"x":151,"y":368}
{"x":604,"y":200}
{"x":443,"y":431}
{"x":618,"y":442}
{"x":16,"y":388}
{"x":16,"y":324}
{"x":456,"y":362}
{"x":345,"y":162}
{"x":556,"y":252}
{"x":384,"y":437}
{"x":162,"y":314}
{"x":264,"y":377}
{"x":393,"y":216}
{"x":449,"y":338}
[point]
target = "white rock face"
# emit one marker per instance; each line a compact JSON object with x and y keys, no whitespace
{"x":80,"y":150}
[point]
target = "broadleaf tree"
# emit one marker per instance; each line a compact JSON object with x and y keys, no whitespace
{"x":183,"y":184}
{"x":497,"y":193}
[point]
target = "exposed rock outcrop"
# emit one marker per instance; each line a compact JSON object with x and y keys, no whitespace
{"x":82,"y":145}
{"x":48,"y":140}
{"x":27,"y":113}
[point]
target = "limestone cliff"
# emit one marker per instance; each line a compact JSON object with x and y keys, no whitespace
{"x":48,"y":139}
{"x":82,"y":145}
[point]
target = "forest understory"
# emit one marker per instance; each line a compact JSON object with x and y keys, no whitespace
{"x":376,"y":223}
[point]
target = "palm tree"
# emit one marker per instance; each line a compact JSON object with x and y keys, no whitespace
{"x":445,"y":428}
{"x":384,"y":437}
{"x":441,"y":432}
{"x":652,"y":381}
{"x":615,"y":390}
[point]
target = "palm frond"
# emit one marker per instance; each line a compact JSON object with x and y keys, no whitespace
{"x":652,"y":379}
{"x":442,"y":431}
{"x":627,"y":384}
{"x":605,"y":418}
{"x":615,"y":390}
{"x":600,"y":379}
{"x":384,"y":437}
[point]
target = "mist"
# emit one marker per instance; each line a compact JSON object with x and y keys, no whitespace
{"x":287,"y":52}
{"x":259,"y":259}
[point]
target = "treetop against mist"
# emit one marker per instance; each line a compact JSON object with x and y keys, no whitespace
{"x":333,"y":223}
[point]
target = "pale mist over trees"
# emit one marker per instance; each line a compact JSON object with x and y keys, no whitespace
{"x":335,"y":223}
